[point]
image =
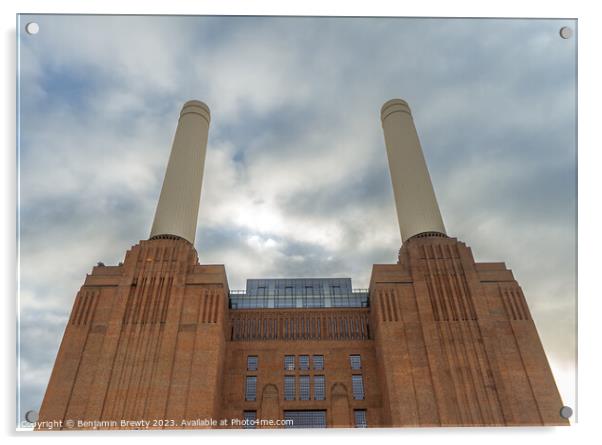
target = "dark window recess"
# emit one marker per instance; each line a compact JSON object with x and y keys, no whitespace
{"x":318,"y":362}
{"x":304,"y":362}
{"x":251,"y":388}
{"x":289,"y":387}
{"x":252,"y":363}
{"x":355,"y":361}
{"x":304,"y":387}
{"x":305,"y":419}
{"x":289,"y":362}
{"x":319,"y":387}
{"x":360,"y":418}
{"x":250,"y":417}
{"x":357,"y":384}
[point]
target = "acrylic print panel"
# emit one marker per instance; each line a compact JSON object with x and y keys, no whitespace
{"x":136,"y":314}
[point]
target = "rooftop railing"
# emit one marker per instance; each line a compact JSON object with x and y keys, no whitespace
{"x":356,"y":298}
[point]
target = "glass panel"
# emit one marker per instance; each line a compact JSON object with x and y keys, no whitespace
{"x":249,"y":419}
{"x":304,"y":387}
{"x":358,"y":387}
{"x":289,"y":387}
{"x":304,"y":362}
{"x":360,"y":418}
{"x":305,"y":419}
{"x":252,"y":363}
{"x":289,"y":362}
{"x":319,"y":387}
{"x":318,"y":362}
{"x":355,"y":361}
{"x":251,"y":388}
{"x":302,"y":293}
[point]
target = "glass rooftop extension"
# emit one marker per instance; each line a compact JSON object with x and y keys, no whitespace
{"x":298,"y":293}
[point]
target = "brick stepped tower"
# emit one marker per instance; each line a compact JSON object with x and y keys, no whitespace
{"x":455,"y":342}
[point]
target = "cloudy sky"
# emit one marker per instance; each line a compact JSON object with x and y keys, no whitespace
{"x":296,"y":182}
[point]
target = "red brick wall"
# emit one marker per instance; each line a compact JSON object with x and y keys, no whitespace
{"x":455,"y":342}
{"x":146,"y":340}
{"x":271,"y":372}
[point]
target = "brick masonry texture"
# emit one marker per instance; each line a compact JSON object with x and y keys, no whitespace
{"x":445,"y":342}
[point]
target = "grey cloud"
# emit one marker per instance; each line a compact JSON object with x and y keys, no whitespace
{"x":372,"y":189}
{"x":38,"y":346}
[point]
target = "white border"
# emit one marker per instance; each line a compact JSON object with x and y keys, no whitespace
{"x":590,"y":222}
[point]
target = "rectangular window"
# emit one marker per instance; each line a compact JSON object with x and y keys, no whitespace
{"x":289,"y":362}
{"x":319,"y":388}
{"x":289,"y":387}
{"x":304,"y":387}
{"x":305,"y":419}
{"x":304,"y":362}
{"x":251,"y":388}
{"x":318,"y":360}
{"x":355,"y":361}
{"x":249,"y":419}
{"x":252,"y":363}
{"x":360,"y":418}
{"x":357,"y":384}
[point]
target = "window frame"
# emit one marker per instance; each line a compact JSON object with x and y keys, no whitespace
{"x":312,"y":414}
{"x":352,"y":362}
{"x":304,"y":387}
{"x":304,"y":366}
{"x":254,"y":419}
{"x":313,"y":361}
{"x":249,"y":357}
{"x":250,"y":378}
{"x":290,"y":383}
{"x":358,"y":379}
{"x":322,"y":378}
{"x":364,"y":413}
{"x":289,"y":366}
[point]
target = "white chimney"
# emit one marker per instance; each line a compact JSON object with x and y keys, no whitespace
{"x":178,"y":207}
{"x":417,"y":209}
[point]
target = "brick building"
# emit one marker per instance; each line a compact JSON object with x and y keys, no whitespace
{"x":437,"y":339}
